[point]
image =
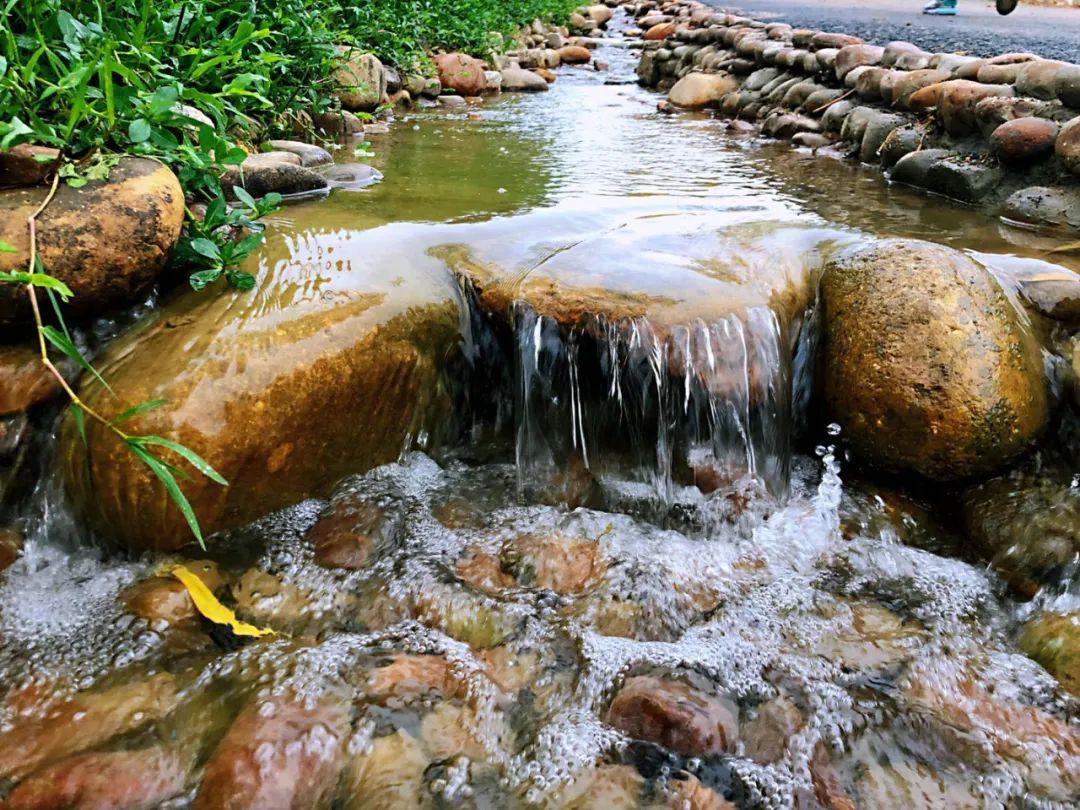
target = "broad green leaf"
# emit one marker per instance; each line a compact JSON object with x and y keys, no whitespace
{"x":206,"y":247}
{"x":197,"y":461}
{"x":139,"y":130}
{"x":6,"y":248}
{"x":243,"y":196}
{"x":199,"y":280}
{"x":240,"y":280}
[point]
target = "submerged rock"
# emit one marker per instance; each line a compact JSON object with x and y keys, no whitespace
{"x":86,"y":721}
{"x":389,"y":775}
{"x":279,"y":753}
{"x":107,"y":241}
{"x":277,"y":172}
{"x":1026,"y":524}
{"x":108,"y":780}
{"x":674,"y":715}
{"x":325,"y":370}
{"x":927,"y":366}
{"x":1054,"y":641}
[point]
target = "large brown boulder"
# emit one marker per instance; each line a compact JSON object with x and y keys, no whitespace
{"x":24,"y":379}
{"x":927,"y":366}
{"x":107,"y":240}
{"x":461,"y":73}
{"x":324,"y":370}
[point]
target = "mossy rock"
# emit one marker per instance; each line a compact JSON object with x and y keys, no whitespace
{"x":1054,"y":641}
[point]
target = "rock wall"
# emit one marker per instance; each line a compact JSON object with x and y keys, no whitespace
{"x":1002,"y":132}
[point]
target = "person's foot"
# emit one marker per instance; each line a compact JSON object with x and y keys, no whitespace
{"x":941,"y":11}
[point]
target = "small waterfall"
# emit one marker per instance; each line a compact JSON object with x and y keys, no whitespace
{"x":704,"y":403}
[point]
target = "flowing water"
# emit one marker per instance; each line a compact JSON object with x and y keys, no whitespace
{"x":633,"y":494}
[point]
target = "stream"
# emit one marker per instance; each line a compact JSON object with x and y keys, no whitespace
{"x":620,"y":560}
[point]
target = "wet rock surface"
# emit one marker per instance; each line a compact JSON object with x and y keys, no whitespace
{"x":927,"y":365}
{"x":108,"y":240}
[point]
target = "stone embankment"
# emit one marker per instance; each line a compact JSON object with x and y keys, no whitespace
{"x":1002,"y":132}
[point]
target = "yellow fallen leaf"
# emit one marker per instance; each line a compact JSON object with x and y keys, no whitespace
{"x":1066,"y":248}
{"x":208,"y":605}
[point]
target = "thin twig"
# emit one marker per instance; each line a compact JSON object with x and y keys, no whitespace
{"x":31,"y":291}
{"x":830,"y":103}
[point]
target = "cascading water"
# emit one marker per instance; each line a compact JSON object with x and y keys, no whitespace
{"x":703,"y":404}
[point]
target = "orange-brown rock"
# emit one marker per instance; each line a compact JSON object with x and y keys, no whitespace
{"x":660,"y":31}
{"x":766,"y":735}
{"x":86,"y":721}
{"x":926,"y":97}
{"x":24,"y":379}
{"x":903,"y":87}
{"x":345,"y":533}
{"x":278,"y":753}
{"x":388,"y":775}
{"x":574,"y":55}
{"x":956,"y":104}
{"x":27,"y":164}
{"x":1024,"y":140}
{"x":324,"y":371}
{"x":674,"y":715}
{"x":825,"y":39}
{"x":461,"y":73}
{"x":407,"y":678}
{"x":484,"y":572}
{"x":696,"y":90}
{"x":927,"y":365}
{"x":165,"y":598}
{"x":690,"y":794}
{"x":107,"y":240}
{"x":561,"y":564}
{"x":11,"y":542}
{"x":108,"y":780}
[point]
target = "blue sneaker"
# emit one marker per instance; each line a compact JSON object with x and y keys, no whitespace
{"x":942,"y":11}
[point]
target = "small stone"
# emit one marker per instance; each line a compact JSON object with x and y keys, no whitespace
{"x":900,"y":142}
{"x":27,"y":164}
{"x":361,"y":80}
{"x":1024,"y":140}
{"x":894,"y":50}
{"x":811,"y":140}
{"x":518,"y":80}
{"x":1067,"y":145}
{"x":962,"y":178}
{"x":852,"y":56}
{"x":766,"y":735}
{"x":345,"y":534}
{"x":828,"y":40}
{"x":165,"y":598}
{"x":24,"y":380}
{"x":338,"y":124}
{"x":697,"y":90}
{"x":461,"y":73}
{"x":452,"y":101}
{"x":272,"y":172}
{"x":574,"y":55}
{"x":915,"y":80}
{"x":1039,"y":78}
{"x":956,"y":106}
{"x":669,"y":713}
{"x":1067,"y":85}
{"x":546,"y":74}
{"x":659,"y":31}
{"x":913,"y":167}
{"x":309,"y":154}
{"x":1044,"y":206}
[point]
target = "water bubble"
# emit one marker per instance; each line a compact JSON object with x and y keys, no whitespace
{"x":833,"y":429}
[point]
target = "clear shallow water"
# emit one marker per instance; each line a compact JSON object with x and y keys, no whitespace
{"x":456,"y":632}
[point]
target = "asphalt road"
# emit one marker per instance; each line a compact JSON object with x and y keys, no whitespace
{"x":977,"y":28}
